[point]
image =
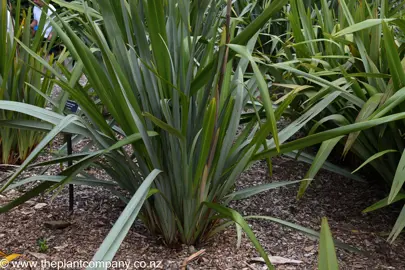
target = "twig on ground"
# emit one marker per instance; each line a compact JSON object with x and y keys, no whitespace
{"x":191,"y":258}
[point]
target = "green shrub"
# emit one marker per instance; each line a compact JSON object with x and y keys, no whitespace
{"x":23,"y":79}
{"x":353,"y":61}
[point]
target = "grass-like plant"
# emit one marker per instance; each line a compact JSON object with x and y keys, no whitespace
{"x":353,"y":61}
{"x":22,"y":79}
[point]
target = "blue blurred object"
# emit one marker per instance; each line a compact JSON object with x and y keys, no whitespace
{"x":36,"y":28}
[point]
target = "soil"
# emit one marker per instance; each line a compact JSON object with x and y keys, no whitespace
{"x":339,"y":199}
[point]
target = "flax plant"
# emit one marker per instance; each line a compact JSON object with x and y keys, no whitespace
{"x":352,"y":59}
{"x":161,"y":68}
{"x":22,"y":79}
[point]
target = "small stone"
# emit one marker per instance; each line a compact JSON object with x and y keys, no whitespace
{"x":61,"y":248}
{"x":309,"y":248}
{"x":192,"y":249}
{"x":57,"y":224}
{"x":27,"y":212}
{"x":2,"y":235}
{"x":40,"y":205}
{"x":99,"y":224}
{"x":12,"y":192}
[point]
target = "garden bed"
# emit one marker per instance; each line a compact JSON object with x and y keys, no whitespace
{"x":333,"y":196}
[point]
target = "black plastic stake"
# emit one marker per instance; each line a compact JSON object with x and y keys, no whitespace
{"x":71,"y":189}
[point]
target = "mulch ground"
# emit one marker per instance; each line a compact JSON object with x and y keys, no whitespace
{"x":339,"y":199}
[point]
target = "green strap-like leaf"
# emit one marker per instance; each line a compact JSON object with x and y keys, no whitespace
{"x":165,"y":126}
{"x":384,"y":202}
{"x":264,"y":91}
{"x":311,"y":233}
{"x":241,"y":39}
{"x":309,"y":159}
{"x":50,"y":136}
{"x":399,"y":179}
{"x":251,"y":191}
{"x":112,"y":242}
{"x":367,"y":110}
{"x":320,"y":158}
{"x":327,"y":254}
{"x":327,"y":135}
{"x":394,"y":62}
{"x":28,"y":195}
{"x":236,"y":217}
{"x":361,"y":26}
{"x":373,"y":157}
{"x":398,"y":227}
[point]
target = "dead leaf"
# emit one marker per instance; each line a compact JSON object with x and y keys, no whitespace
{"x":191,"y":258}
{"x":26,"y":213}
{"x":277,"y":260}
{"x":60,"y":248}
{"x":309,"y":248}
{"x":40,"y":205}
{"x":139,"y":235}
{"x":40,"y":256}
{"x":250,"y":266}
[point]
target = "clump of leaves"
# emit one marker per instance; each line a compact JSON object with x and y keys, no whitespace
{"x":42,"y":245}
{"x":22,"y":79}
{"x":352,"y":61}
